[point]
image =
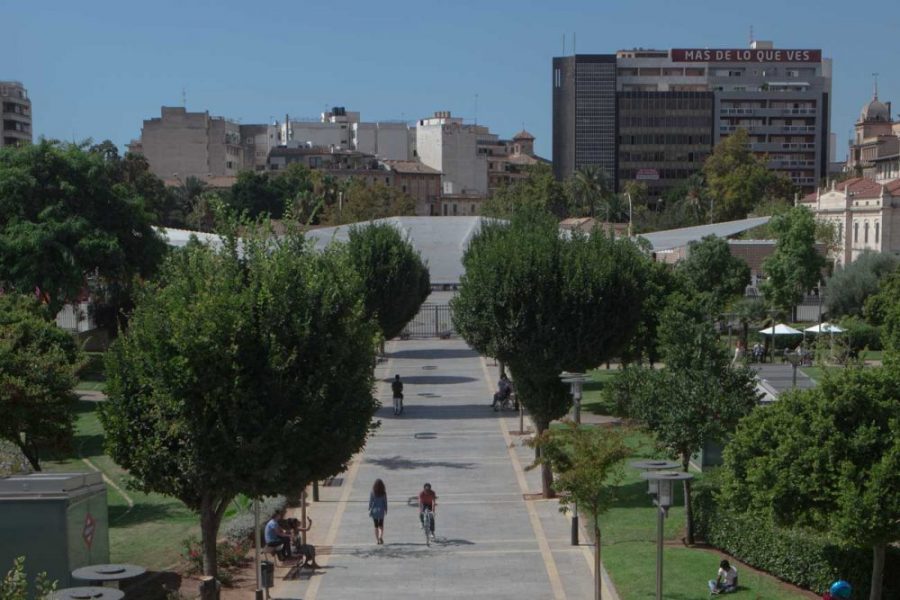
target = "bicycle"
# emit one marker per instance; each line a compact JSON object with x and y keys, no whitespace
{"x":428,"y":525}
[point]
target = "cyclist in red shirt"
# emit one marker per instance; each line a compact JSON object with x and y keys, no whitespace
{"x":427,"y":499}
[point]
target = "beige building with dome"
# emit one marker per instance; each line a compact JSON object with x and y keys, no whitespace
{"x":875,"y":148}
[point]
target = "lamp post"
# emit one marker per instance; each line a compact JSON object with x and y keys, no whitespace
{"x":576,"y":383}
{"x":662,"y":480}
{"x":794,"y":358}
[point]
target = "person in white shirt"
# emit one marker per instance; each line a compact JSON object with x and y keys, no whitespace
{"x":725,"y":581}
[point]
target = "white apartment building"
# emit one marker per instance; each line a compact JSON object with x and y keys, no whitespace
{"x":446,"y":144}
{"x":343,"y":130}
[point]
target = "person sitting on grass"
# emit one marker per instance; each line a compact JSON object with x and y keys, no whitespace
{"x":725,"y":581}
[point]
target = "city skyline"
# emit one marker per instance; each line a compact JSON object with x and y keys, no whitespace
{"x":98,"y":73}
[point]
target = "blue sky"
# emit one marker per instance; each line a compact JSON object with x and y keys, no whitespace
{"x":98,"y":68}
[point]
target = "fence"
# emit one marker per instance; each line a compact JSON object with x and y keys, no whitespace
{"x":433,"y":320}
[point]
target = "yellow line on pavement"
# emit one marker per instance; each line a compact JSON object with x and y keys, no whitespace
{"x":559,"y":592}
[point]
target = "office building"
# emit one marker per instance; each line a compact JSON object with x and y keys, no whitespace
{"x":654,"y":115}
{"x":456,"y":149}
{"x":15,"y":114}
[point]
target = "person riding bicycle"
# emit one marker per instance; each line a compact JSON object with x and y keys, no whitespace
{"x":397,"y":389}
{"x":427,"y":499}
{"x":504,"y":390}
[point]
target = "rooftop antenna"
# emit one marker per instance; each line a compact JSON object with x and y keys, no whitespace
{"x":183,"y":97}
{"x":476,"y":109}
{"x":564,"y":45}
{"x":751,"y":35}
{"x":875,"y":76}
{"x":574,"y":50}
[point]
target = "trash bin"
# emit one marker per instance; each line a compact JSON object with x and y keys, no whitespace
{"x":267,"y":573}
{"x":57,"y":521}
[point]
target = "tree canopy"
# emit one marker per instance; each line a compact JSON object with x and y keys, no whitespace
{"x":38,"y":368}
{"x":710,"y":271}
{"x":68,"y":220}
{"x":361,"y":201}
{"x":246,"y":369}
{"x":827,"y":458}
{"x":795,"y":267}
{"x":395,"y":280}
{"x":738,"y":181}
{"x":539,"y":190}
{"x":543,"y":303}
{"x":847,"y":290}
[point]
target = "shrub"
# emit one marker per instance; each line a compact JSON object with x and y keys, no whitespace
{"x":231,"y":555}
{"x":808,"y":559}
{"x":861,"y":335}
{"x":14,"y":586}
{"x":240,"y":527}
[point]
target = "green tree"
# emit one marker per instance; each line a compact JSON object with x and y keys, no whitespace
{"x":588,"y":463}
{"x":795,"y":267}
{"x":697,"y":398}
{"x":738,"y":180}
{"x":849,"y":287}
{"x":67,"y":223}
{"x":749,"y":312}
{"x":246,"y":370}
{"x":826,"y":458}
{"x":539,"y":190}
{"x":591,"y":189}
{"x":365,"y":202}
{"x":254,"y":195}
{"x":395,"y":280}
{"x":543,"y":303}
{"x":713,"y":273}
{"x":660,"y":282}
{"x":38,"y":367}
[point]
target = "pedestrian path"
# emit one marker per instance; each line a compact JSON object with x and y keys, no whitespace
{"x":495,"y":538}
{"x":780,"y":377}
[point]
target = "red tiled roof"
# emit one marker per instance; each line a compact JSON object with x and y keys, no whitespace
{"x":860,"y":187}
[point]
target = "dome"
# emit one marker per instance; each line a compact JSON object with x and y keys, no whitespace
{"x":523,"y":135}
{"x":876,"y":110}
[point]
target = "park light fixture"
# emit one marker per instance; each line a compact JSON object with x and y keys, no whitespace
{"x":576,"y":383}
{"x":654,"y":465}
{"x":664,"y":499}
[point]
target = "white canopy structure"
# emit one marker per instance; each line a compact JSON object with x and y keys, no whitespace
{"x":780,"y":329}
{"x":824,"y":328}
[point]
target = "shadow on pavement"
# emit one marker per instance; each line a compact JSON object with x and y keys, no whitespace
{"x":415,"y":411}
{"x":395,"y":463}
{"x":433,"y":379}
{"x":432,"y":353}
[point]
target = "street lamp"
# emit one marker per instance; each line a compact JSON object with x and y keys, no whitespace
{"x":794,"y":358}
{"x":663,"y":500}
{"x":576,"y":382}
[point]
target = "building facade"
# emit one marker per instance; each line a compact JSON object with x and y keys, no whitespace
{"x":874,"y":151}
{"x":418,"y":181}
{"x":15,"y":114}
{"x":343,"y":130}
{"x":864,"y":213}
{"x":446,"y":144}
{"x":181,"y":144}
{"x":781,"y":97}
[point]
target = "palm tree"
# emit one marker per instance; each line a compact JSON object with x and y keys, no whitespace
{"x":591,"y":185}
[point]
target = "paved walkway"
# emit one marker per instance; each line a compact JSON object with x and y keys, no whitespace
{"x":780,"y":377}
{"x":494,"y":540}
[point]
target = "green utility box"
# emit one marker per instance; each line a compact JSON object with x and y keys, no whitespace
{"x":57,"y":521}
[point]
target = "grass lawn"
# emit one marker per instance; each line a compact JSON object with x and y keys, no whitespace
{"x":628,"y":533}
{"x":147,"y":531}
{"x":91,"y":385}
{"x":592,"y":394}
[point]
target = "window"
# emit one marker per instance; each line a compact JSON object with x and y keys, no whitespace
{"x":876,"y":231}
{"x":866,"y":233}
{"x":855,"y":233}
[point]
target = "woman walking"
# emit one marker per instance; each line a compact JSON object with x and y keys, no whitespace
{"x":378,"y":509}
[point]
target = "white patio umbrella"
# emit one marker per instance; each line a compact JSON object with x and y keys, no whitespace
{"x":825,"y":328}
{"x":780,"y":329}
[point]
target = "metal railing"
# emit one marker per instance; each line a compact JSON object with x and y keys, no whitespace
{"x":433,"y":320}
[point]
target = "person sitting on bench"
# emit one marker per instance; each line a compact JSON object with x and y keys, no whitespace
{"x":277,"y":536}
{"x":308,"y":551}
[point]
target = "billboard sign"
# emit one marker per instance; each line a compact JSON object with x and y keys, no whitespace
{"x":745,"y":55}
{"x":647,"y":175}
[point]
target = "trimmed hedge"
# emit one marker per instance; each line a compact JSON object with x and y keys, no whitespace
{"x":807,"y":559}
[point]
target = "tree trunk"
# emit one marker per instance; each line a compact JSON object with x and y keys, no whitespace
{"x":598,"y":579}
{"x":877,"y":571}
{"x":210,"y":519}
{"x":31,"y":455}
{"x":688,"y":511}
{"x":546,"y":471}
